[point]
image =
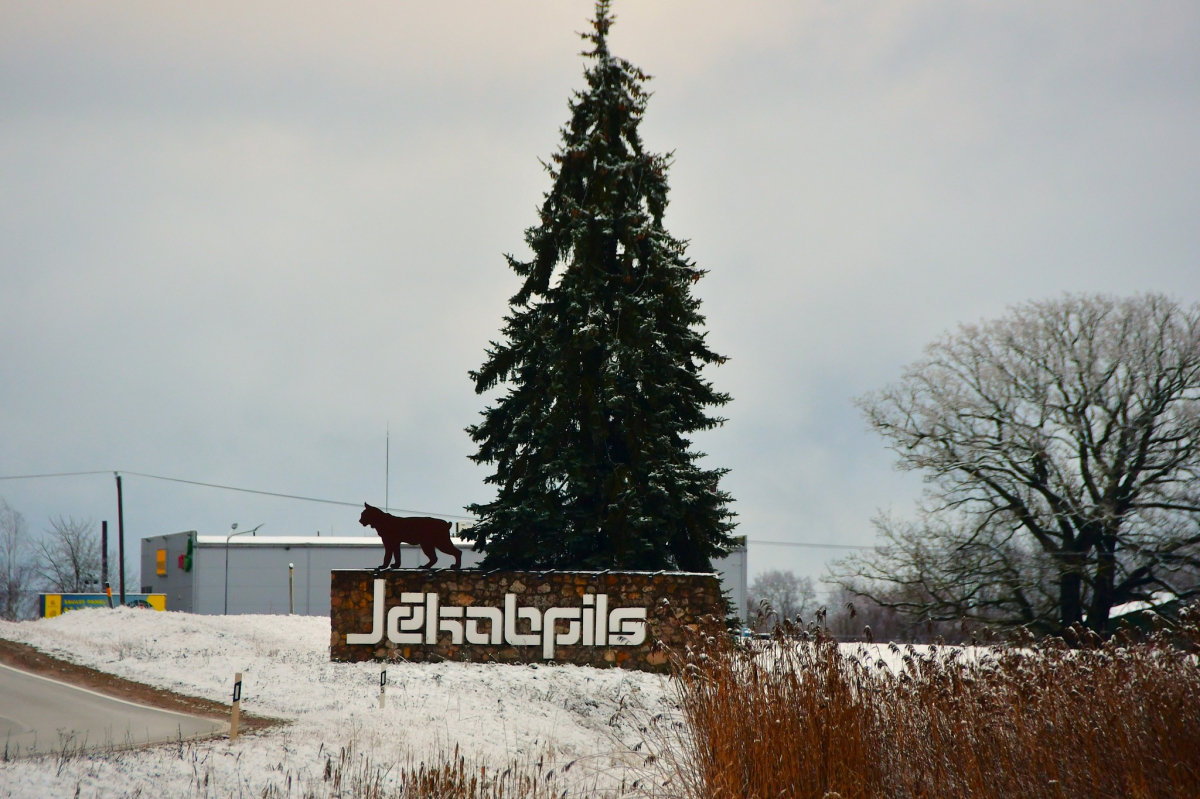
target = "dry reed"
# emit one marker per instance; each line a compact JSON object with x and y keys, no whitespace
{"x":798,"y":716}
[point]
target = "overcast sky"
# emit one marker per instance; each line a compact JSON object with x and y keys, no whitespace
{"x":238,"y":241}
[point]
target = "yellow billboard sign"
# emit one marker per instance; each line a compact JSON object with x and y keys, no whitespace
{"x":57,"y":604}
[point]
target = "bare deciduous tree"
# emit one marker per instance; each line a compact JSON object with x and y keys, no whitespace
{"x":1062,"y":448}
{"x":787,"y":596}
{"x":853,"y":617}
{"x":16,"y":567}
{"x":68,"y":558}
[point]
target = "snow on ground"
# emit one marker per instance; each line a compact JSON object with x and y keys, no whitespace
{"x":493,"y":713}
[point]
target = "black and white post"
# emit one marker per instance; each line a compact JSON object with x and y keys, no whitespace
{"x":237,"y":706}
{"x":382,"y":688}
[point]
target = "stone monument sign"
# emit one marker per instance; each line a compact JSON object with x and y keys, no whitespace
{"x":625,"y":619}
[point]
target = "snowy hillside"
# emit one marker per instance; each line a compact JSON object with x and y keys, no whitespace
{"x":493,"y":713}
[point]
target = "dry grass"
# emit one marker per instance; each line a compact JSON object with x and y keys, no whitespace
{"x":796,"y":717}
{"x":351,"y":774}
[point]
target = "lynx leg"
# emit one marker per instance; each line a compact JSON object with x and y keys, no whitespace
{"x":447,"y":545}
{"x":430,"y":553}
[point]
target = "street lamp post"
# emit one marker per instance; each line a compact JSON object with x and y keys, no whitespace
{"x":232,"y":533}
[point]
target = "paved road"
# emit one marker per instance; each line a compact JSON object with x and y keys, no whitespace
{"x":43,"y":715}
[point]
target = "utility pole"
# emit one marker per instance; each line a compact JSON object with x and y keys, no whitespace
{"x":120,"y":537}
{"x":104,"y":561}
{"x":387,"y":465}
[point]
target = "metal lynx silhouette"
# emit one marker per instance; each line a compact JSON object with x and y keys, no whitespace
{"x":426,"y":532}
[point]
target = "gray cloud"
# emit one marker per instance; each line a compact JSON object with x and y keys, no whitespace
{"x":235,"y":243}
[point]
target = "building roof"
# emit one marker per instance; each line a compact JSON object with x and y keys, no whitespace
{"x":1157,"y":599}
{"x":301,"y":541}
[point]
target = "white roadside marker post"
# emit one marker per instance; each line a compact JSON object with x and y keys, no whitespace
{"x":291,"y":574}
{"x":382,"y":687}
{"x":237,"y":706}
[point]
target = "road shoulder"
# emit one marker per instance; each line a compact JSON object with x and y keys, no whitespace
{"x":27,"y":658}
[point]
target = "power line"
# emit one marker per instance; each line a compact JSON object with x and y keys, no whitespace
{"x":233,"y":488}
{"x":805,"y":544}
{"x":287,"y":496}
{"x":356,"y":504}
{"x":56,"y":474}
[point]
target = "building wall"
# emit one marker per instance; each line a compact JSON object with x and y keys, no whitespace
{"x":732,"y":569}
{"x":177,"y":584}
{"x":258,"y":571}
{"x":258,"y":575}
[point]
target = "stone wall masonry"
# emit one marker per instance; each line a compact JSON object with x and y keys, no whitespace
{"x":507,"y":616}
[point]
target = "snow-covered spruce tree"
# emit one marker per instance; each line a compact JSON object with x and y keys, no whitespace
{"x":601,"y":363}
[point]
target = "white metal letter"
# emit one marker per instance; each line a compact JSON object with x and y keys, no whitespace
{"x":376,"y":634}
{"x":628,"y":626}
{"x":511,"y":613}
{"x":549,"y":639}
{"x":450,"y":625}
{"x":589,"y":626}
{"x":601,"y":619}
{"x":405,"y":617}
{"x":431,"y":618}
{"x":494,"y":618}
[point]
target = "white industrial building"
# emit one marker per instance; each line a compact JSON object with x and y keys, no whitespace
{"x":250,"y":574}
